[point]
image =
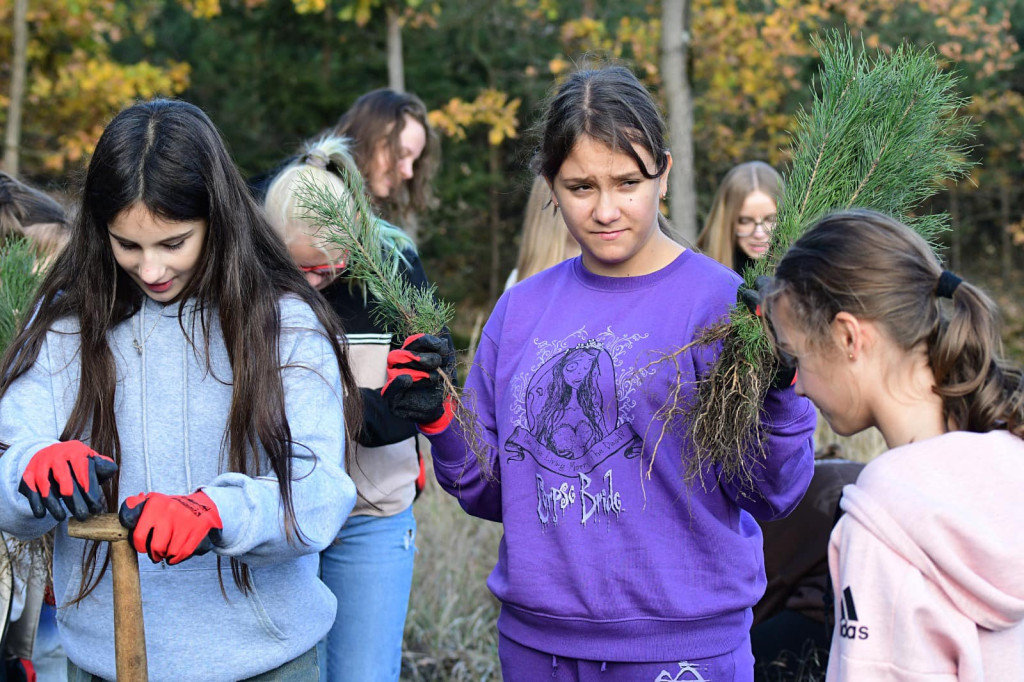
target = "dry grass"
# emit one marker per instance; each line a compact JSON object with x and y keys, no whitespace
{"x":451,"y":632}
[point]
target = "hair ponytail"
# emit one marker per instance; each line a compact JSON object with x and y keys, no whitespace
{"x":980,"y":390}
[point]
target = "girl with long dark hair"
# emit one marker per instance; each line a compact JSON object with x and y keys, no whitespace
{"x":178,"y":370}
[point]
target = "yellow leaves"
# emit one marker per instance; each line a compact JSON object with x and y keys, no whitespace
{"x":202,"y":9}
{"x":309,"y":6}
{"x":358,"y":11}
{"x":89,"y":90}
{"x":491,"y":108}
{"x":558,"y":65}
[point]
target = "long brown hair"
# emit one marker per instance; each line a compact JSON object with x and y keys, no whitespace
{"x":876,"y":268}
{"x":379,"y":117}
{"x":30,"y":213}
{"x":717,"y":239}
{"x":168,"y":156}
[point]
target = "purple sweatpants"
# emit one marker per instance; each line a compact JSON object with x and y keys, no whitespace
{"x":523,"y":664}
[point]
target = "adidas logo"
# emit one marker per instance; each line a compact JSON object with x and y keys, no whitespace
{"x":848,"y":627}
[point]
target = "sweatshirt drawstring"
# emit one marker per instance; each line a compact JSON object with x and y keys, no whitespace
{"x":604,"y":666}
{"x":145,"y":425}
{"x":184,"y":410}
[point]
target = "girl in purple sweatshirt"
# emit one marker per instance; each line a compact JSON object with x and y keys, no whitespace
{"x":612,"y":567}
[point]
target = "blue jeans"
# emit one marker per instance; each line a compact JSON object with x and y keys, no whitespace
{"x":369,"y":570}
{"x":305,"y":668}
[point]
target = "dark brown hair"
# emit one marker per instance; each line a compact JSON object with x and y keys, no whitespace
{"x":168,"y":156}
{"x":379,"y":116}
{"x":611,"y":106}
{"x":876,"y":268}
{"x":28,"y":212}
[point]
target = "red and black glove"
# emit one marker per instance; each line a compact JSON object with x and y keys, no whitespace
{"x":171,"y":527}
{"x":70,"y":472}
{"x":415,"y":390}
{"x":19,"y":670}
{"x":785,"y":373}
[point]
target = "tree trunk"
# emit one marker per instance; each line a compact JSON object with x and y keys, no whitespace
{"x":327,"y":53}
{"x":1004,"y":219}
{"x":396,"y":68}
{"x":12,"y":140}
{"x":675,"y":48}
{"x":494,"y":218}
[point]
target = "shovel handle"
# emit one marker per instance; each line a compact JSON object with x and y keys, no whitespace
{"x":129,"y":633}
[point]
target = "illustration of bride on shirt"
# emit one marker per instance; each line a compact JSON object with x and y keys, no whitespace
{"x":572,"y":414}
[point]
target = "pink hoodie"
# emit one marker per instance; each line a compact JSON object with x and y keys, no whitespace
{"x":928,"y":564}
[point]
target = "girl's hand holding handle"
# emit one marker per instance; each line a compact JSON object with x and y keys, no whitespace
{"x":171,"y":527}
{"x":70,"y":472}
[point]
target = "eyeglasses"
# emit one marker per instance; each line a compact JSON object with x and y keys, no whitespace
{"x":746,"y":226}
{"x":325,"y":269}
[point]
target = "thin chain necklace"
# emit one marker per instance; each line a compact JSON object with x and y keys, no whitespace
{"x":139,"y":345}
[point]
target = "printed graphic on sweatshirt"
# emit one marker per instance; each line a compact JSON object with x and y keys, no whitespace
{"x":849,"y":626}
{"x":688,"y":672}
{"x":572,"y":413}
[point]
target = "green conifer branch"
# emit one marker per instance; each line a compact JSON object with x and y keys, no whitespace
{"x":884,"y":132}
{"x":19,"y":280}
{"x":350,"y":225}
{"x":20,"y":275}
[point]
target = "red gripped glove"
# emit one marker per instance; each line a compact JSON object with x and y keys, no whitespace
{"x":171,"y":527}
{"x":20,"y":670}
{"x":414,"y":389}
{"x":70,"y":472}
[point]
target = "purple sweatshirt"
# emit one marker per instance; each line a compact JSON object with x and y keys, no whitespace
{"x":600,"y":561}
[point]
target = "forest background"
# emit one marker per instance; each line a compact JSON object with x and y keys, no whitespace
{"x":731,"y":74}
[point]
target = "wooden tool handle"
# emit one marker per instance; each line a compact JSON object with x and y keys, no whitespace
{"x":129,"y":633}
{"x":102,"y":527}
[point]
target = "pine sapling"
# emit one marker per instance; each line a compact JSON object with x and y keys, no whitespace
{"x":883,"y":133}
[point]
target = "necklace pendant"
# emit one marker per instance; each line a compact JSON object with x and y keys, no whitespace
{"x":137,"y":346}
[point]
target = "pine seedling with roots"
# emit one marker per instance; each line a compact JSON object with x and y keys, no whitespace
{"x":884,"y":132}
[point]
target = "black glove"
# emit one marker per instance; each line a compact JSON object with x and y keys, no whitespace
{"x":785,"y":373}
{"x":415,"y":390}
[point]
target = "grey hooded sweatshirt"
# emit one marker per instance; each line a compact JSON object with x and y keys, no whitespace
{"x":171,"y":417}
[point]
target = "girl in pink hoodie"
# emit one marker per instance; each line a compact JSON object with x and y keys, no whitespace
{"x":927,"y":562}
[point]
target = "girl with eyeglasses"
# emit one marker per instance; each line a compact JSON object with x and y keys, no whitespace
{"x":369,"y":567}
{"x":742,"y":215}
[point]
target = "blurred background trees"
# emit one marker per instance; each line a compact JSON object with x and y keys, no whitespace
{"x":273,"y":72}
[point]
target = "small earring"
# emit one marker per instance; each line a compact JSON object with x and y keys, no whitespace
{"x":851,"y":356}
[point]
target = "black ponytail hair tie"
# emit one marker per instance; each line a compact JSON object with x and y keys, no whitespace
{"x":948,"y":282}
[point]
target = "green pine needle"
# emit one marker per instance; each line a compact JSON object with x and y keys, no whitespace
{"x":349,"y":224}
{"x":884,"y":132}
{"x":19,"y":279}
